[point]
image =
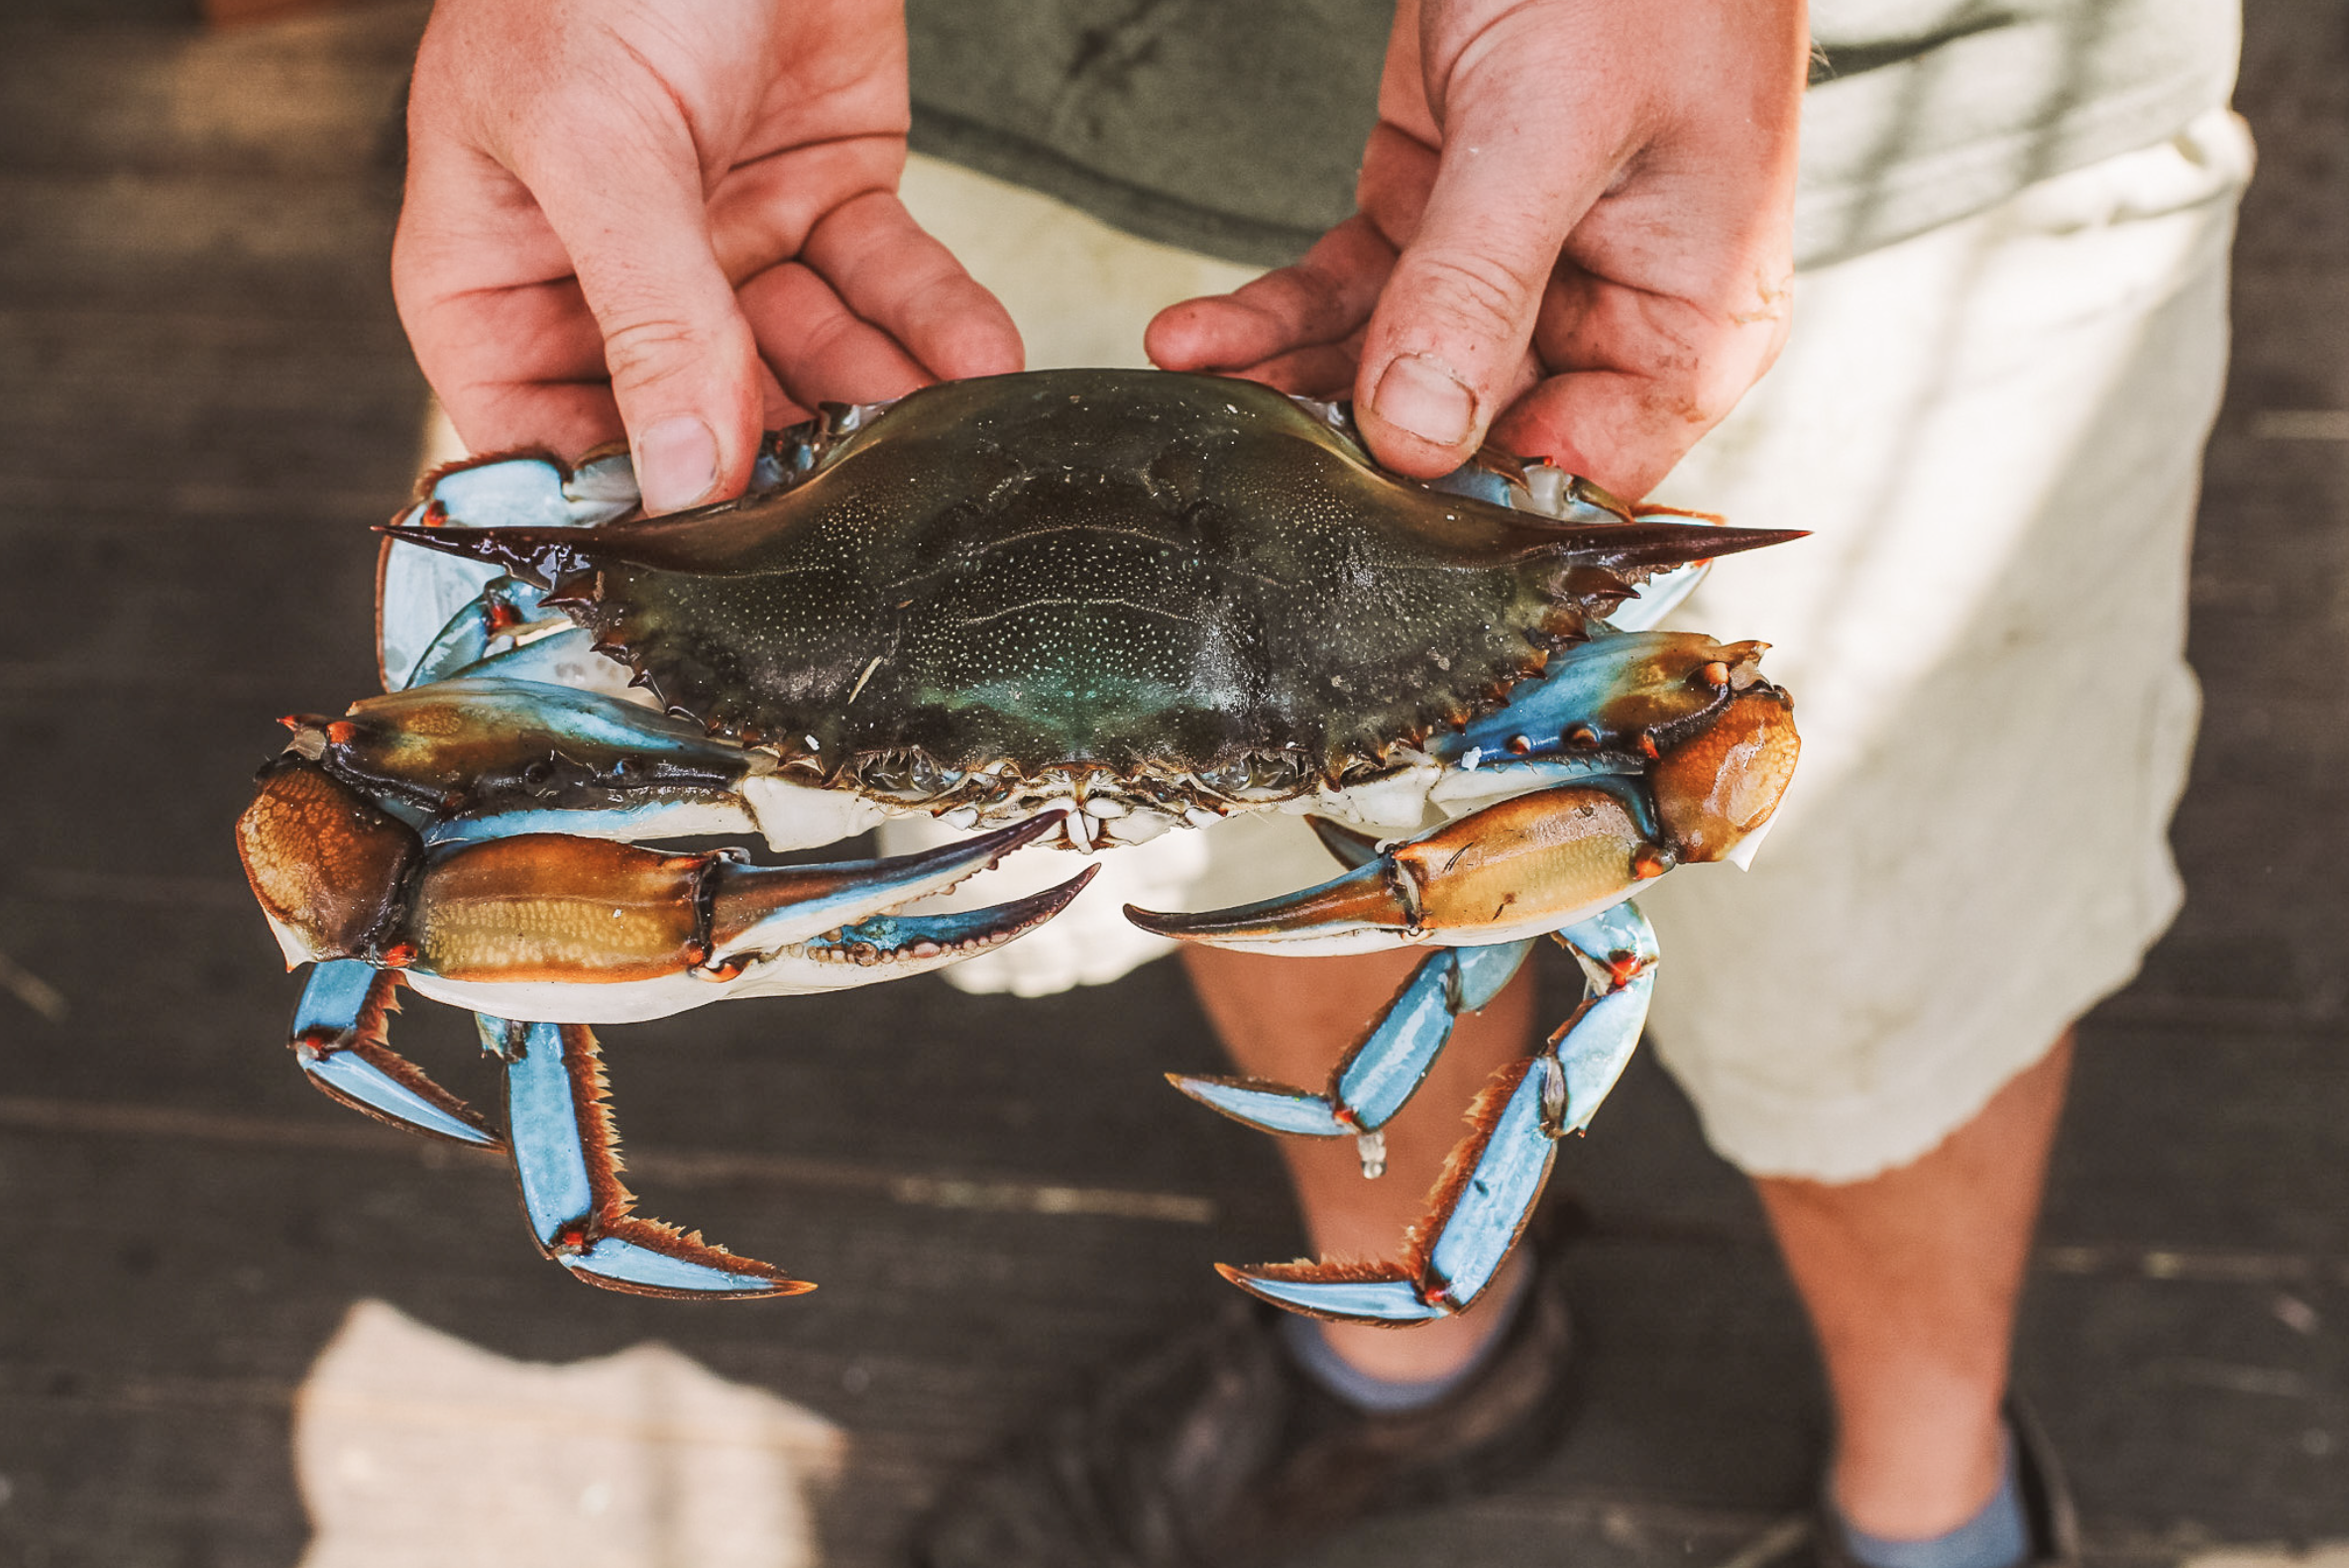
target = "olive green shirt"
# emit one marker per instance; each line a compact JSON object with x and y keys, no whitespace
{"x":1234,"y":127}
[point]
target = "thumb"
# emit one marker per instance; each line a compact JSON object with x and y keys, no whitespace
{"x":633,"y":216}
{"x":1446,"y":346}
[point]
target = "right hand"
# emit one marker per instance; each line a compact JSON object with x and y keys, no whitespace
{"x":1573,"y":236}
{"x":676,"y":223}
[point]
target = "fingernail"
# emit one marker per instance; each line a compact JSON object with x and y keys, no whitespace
{"x":676,"y":463}
{"x":1420,"y":396}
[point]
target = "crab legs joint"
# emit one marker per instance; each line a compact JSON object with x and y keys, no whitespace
{"x":340,"y":1041}
{"x":567,"y":1160}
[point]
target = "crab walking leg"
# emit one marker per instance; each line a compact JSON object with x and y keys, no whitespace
{"x":1618,"y":952}
{"x":504,"y":609}
{"x":1496,"y":1175}
{"x":566,"y":1157}
{"x":1377,"y":1077}
{"x":481,"y":745}
{"x":340,"y":1041}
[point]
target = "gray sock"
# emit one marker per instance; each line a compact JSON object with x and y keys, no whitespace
{"x":1310,"y":1348}
{"x":1998,"y":1537}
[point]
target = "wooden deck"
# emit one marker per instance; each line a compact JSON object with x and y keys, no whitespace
{"x":205,"y":398}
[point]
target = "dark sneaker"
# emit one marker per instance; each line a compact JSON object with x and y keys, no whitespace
{"x":2047,"y":1495}
{"x":1217,"y":1449}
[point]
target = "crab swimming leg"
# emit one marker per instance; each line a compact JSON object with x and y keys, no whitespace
{"x":566,"y":1155}
{"x":1381,"y":1071}
{"x":340,"y":1031}
{"x":1496,"y":1175}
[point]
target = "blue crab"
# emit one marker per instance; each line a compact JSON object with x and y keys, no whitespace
{"x":1075,"y":608}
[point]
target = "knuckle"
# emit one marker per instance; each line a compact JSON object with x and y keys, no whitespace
{"x":1472,"y":292}
{"x":644,"y":349}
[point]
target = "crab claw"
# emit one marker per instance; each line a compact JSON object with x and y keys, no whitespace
{"x":604,"y":933}
{"x":1509,"y":872}
{"x":761,"y":909}
{"x":1386,"y":1067}
{"x":892,"y":946}
{"x":340,"y":1041}
{"x":553,"y":908}
{"x":566,"y":1157}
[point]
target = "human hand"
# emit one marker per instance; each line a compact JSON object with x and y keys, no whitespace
{"x":675,"y":222}
{"x":1574,"y":232}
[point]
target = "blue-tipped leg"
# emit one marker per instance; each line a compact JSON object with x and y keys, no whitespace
{"x":1494,"y":1177}
{"x":1496,"y":1197}
{"x":567,"y":1160}
{"x":340,"y":1030}
{"x":1266,"y":1107}
{"x":1378,"y":1300}
{"x":1481,"y":1207}
{"x":1386,"y":1067}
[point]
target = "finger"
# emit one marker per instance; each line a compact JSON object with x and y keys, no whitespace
{"x":819,"y":349}
{"x":893,"y":274}
{"x":1324,"y":371}
{"x":1648,"y":373}
{"x":776,"y":408}
{"x":1523,"y":158}
{"x":489,"y":304}
{"x":1324,"y":299}
{"x":518,"y":365}
{"x":624,"y":193}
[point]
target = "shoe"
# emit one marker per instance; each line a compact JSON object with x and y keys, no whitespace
{"x":1217,"y":1449}
{"x":2046,"y":1494}
{"x":2046,"y":1501}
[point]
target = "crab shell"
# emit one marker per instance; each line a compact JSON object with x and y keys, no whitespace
{"x":1159,"y":592}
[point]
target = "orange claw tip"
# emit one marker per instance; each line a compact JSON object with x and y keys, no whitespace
{"x":1360,"y":899}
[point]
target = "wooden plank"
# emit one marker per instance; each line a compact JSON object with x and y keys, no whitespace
{"x":213,"y":242}
{"x":320,"y":96}
{"x":208,"y":402}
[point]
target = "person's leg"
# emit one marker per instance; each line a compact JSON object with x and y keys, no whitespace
{"x":1910,"y":1279}
{"x":1289,"y":1020}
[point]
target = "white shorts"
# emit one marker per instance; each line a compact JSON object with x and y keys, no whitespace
{"x":1994,"y":432}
